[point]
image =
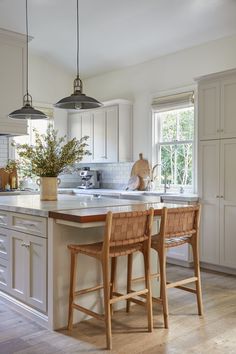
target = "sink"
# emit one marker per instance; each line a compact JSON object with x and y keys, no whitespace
{"x":142,"y":197}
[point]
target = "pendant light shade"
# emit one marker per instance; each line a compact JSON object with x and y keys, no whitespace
{"x":27,"y":111}
{"x":78,"y":100}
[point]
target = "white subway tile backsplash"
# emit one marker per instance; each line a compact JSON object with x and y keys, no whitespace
{"x":3,"y":151}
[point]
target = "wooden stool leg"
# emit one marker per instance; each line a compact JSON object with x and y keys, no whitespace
{"x":163,"y":290}
{"x":113,"y":278}
{"x":196,"y":263}
{"x":73,"y":267}
{"x":148,"y":286}
{"x":107,"y":310}
{"x":129,"y":278}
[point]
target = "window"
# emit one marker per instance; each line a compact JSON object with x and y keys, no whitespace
{"x":39,"y":124}
{"x":174,"y":142}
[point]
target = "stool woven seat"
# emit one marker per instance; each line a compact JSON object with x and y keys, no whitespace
{"x":95,"y":249}
{"x":170,"y":242}
{"x":124,"y":234}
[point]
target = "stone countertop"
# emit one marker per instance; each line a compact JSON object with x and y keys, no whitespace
{"x":32,"y":205}
{"x":191,"y":197}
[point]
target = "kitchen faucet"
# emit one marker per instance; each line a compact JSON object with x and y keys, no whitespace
{"x":166,"y":184}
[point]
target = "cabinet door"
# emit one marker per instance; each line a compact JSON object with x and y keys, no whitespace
{"x":228,"y":203}
{"x":99,"y":136}
{"x":75,"y":126}
{"x":4,"y":243}
{"x":11,"y":83}
{"x":17,"y":264}
{"x":209,"y":111}
{"x":112,"y":134}
{"x":209,"y":193}
{"x":4,"y":275}
{"x":105,"y":132}
{"x":87,"y":129}
{"x":228,"y":108}
{"x":36,"y":272}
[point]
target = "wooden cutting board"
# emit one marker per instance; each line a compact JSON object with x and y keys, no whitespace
{"x":142,"y":169}
{"x":133,"y":183}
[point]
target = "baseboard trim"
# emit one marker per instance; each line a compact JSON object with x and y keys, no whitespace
{"x":179,"y":262}
{"x":218,"y":268}
{"x":25,"y":309}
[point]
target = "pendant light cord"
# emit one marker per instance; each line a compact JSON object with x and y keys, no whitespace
{"x":27,"y":48}
{"x":77,"y":39}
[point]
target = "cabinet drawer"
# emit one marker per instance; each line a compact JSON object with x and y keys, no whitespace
{"x":4,"y":220}
{"x":35,"y":225}
{"x":3,"y":274}
{"x":4,"y":243}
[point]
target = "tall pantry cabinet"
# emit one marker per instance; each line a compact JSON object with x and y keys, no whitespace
{"x":217,"y":167}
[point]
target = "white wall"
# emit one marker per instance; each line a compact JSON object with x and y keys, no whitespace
{"x":141,"y":82}
{"x":48,"y":83}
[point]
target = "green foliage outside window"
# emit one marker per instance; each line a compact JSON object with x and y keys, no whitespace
{"x":176,"y":146}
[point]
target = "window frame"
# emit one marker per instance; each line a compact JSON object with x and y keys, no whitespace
{"x":47,"y":108}
{"x":156,"y":144}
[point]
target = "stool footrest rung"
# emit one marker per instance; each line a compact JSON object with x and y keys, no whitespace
{"x":88,"y":290}
{"x":126,"y":296}
{"x":154,"y":299}
{"x":181,"y":282}
{"x":89,"y":312}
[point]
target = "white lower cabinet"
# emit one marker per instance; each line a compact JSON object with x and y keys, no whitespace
{"x":217,"y":176}
{"x":4,"y":257}
{"x":23,"y":258}
{"x":27,"y":268}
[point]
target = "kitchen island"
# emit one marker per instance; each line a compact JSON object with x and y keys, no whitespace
{"x":34,"y":260}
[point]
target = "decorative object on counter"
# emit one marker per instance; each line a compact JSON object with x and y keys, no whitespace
{"x":27,"y":111}
{"x":142,"y":169}
{"x":133,"y":183}
{"x":48,"y":158}
{"x":78,"y":100}
{"x":89,"y":178}
{"x":8,"y":176}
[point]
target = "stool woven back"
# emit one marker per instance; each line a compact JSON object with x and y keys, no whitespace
{"x":128,"y":228}
{"x":179,"y":222}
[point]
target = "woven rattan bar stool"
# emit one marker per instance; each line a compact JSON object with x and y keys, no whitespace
{"x":124,"y":234}
{"x":178,"y":226}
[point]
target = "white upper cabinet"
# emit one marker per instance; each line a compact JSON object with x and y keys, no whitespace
{"x":12,"y":78}
{"x":228,"y":107}
{"x":217,"y":106}
{"x":109,"y":129}
{"x":209,"y":111}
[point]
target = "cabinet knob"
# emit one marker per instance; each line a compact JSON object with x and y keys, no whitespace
{"x":221,"y":196}
{"x":217,"y":196}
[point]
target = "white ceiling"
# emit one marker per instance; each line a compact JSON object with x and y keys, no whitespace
{"x":118,"y":33}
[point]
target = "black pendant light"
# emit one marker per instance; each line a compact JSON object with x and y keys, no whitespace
{"x":78,"y":100}
{"x":27,"y":111}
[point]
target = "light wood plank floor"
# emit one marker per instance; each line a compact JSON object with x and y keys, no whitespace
{"x":215,"y":333}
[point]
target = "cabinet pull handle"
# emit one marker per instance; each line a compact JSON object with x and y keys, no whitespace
{"x":27,"y":223}
{"x":27,"y":245}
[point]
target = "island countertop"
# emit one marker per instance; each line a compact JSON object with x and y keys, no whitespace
{"x":88,"y":215}
{"x":32,"y":205}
